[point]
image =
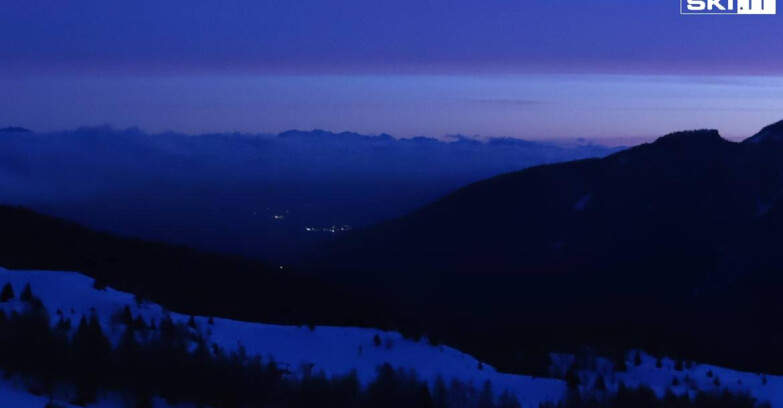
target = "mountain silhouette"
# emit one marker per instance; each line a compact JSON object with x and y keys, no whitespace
{"x":14,"y":129}
{"x":673,"y":245}
{"x":686,"y":192}
{"x":183,"y":279}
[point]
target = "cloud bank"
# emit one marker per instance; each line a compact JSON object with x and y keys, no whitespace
{"x":242,"y":193}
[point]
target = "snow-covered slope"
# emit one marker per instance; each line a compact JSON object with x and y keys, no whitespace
{"x":335,"y":350}
{"x":340,"y":350}
{"x":13,"y":394}
{"x":695,"y":377}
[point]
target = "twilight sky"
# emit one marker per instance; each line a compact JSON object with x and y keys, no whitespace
{"x":526,"y":68}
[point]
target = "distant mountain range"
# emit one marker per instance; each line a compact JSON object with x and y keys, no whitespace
{"x":674,"y":244}
{"x":14,"y":129}
{"x":254,"y":195}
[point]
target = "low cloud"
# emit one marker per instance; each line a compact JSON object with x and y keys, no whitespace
{"x":223,"y":191}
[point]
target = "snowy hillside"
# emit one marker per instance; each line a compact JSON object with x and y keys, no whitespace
{"x":335,"y":350}
{"x":339,"y":351}
{"x":14,"y":395}
{"x":689,"y":378}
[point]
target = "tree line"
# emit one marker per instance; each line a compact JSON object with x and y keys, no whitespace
{"x":76,"y":361}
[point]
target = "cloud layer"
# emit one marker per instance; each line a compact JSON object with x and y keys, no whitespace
{"x":224,"y":191}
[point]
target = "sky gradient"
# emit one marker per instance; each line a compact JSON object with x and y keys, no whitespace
{"x":523,"y":68}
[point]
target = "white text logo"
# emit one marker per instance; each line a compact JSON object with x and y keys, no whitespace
{"x":727,"y":7}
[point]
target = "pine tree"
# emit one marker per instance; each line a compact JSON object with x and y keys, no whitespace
{"x":439,"y":393}
{"x":637,"y":358}
{"x":128,"y":346}
{"x":376,"y":340}
{"x":91,"y":348}
{"x":126,"y":317}
{"x":139,"y":324}
{"x":63,"y":325}
{"x":508,"y":400}
{"x":27,"y":293}
{"x":7,"y":293}
{"x":619,"y":364}
{"x":572,"y":378}
{"x":192,"y":322}
{"x":424,"y":398}
{"x":600,"y":384}
{"x":168,"y":330}
{"x":487,"y":396}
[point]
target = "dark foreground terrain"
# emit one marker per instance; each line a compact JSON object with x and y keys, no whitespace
{"x":672,"y":245}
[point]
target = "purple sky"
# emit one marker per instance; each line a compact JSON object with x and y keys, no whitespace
{"x":526,"y":68}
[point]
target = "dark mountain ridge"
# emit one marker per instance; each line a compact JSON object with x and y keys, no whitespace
{"x":550,"y":216}
{"x":14,"y":129}
{"x":186,"y":280}
{"x":672,"y":245}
